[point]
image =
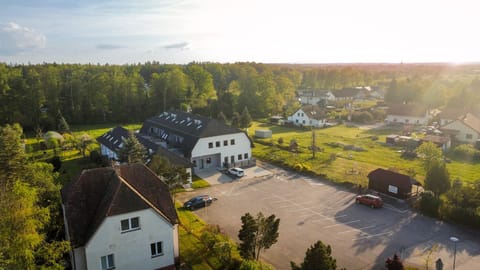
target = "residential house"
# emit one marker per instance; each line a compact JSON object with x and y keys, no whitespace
{"x":465,"y":129}
{"x":315,"y":96}
{"x":205,"y":142}
{"x":391,"y":183}
{"x":409,"y":114}
{"x":450,"y":114}
{"x":309,"y":115}
{"x":112,"y":141}
{"x":350,"y":94}
{"x":120,"y":218}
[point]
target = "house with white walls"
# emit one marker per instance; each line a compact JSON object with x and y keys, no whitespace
{"x":408,"y":114}
{"x":205,"y":142}
{"x":309,"y":115}
{"x":120,"y":218}
{"x":112,"y":141}
{"x":315,"y":96}
{"x":464,"y":129}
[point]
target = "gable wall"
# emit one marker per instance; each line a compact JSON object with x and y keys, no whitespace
{"x":132,"y":249}
{"x":463,"y":130}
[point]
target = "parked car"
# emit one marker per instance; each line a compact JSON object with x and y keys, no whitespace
{"x":239,"y":172}
{"x":370,"y":200}
{"x":198,"y":202}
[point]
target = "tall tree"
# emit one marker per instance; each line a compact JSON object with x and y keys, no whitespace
{"x":430,"y":154}
{"x":257,"y":234}
{"x":317,"y":257}
{"x":394,"y":263}
{"x":174,"y":176}
{"x":437,"y":178}
{"x":132,"y":150}
{"x":245,"y":118}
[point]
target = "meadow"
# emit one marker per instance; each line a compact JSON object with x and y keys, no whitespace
{"x":346,"y":154}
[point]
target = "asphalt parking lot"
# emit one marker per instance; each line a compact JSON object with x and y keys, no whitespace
{"x":311,"y":210}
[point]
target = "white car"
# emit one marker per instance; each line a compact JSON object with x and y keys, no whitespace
{"x":239,"y":172}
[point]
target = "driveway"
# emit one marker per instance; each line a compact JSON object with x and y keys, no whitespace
{"x":215,"y":177}
{"x":311,"y":210}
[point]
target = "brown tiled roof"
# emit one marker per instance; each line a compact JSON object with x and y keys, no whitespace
{"x":436,"y":139}
{"x":471,"y":121}
{"x":406,"y":110}
{"x":103,"y":192}
{"x":452,"y":113}
{"x":314,"y":111}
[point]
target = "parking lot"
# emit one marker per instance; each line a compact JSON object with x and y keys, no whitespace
{"x":311,"y":210}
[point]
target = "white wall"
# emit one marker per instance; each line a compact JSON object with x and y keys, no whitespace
{"x":401,"y":119}
{"x":108,"y":152}
{"x":242,"y":146}
{"x":300,"y":118}
{"x":463,"y":130}
{"x":132,"y":249}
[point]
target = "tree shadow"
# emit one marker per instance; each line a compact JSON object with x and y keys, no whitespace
{"x":408,"y":234}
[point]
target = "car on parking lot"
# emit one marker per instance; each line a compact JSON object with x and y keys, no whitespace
{"x":198,"y":202}
{"x":370,"y":200}
{"x":238,"y":172}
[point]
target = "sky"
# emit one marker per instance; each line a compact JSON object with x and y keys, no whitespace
{"x":267,"y":31}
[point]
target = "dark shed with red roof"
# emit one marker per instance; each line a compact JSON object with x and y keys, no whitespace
{"x":390,"y":183}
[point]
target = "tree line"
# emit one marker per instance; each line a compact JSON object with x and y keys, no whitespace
{"x":38,"y":96}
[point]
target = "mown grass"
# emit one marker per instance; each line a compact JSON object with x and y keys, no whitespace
{"x":340,"y":165}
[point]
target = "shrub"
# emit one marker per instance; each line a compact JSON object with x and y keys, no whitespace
{"x":95,"y":157}
{"x":280,"y":141}
{"x":429,"y":204}
{"x":465,"y":152}
{"x":56,"y":162}
{"x":362,"y":117}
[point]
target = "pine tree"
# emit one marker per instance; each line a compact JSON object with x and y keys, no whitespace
{"x":245,"y":119}
{"x":318,"y":256}
{"x":257,"y":234}
{"x":132,"y":150}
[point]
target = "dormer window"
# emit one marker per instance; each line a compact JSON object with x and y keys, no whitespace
{"x":130,"y":224}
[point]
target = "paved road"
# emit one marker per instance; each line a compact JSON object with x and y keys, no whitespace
{"x":311,"y":210}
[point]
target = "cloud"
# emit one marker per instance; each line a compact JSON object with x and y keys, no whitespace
{"x":109,"y":47}
{"x":15,"y":39}
{"x":181,"y":46}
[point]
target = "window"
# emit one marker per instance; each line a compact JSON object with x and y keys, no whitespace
{"x":468,"y":136}
{"x":107,"y":262}
{"x":303,"y":121}
{"x":209,"y":160}
{"x":225,"y":143}
{"x":210,"y":145}
{"x":232,"y":142}
{"x":245,"y":156}
{"x":239,"y":157}
{"x":156,"y":249}
{"x":217,"y":144}
{"x":296,"y":121}
{"x":232,"y":159}
{"x":130,"y":224}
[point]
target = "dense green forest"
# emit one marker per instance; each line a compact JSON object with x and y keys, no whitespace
{"x":36,"y":96}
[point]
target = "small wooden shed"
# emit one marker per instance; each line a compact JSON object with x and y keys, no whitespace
{"x":391,"y":183}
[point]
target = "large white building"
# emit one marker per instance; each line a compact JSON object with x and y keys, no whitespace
{"x":205,"y":142}
{"x":309,"y":115}
{"x":120,"y":218}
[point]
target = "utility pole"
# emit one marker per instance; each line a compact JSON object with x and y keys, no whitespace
{"x":314,"y":147}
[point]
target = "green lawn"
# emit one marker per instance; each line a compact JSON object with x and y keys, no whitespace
{"x":340,"y":165}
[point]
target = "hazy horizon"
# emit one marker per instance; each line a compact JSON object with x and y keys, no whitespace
{"x":275,"y":32}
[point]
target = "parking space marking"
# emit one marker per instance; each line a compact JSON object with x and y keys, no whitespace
{"x":356,"y":229}
{"x":341,"y":223}
{"x":372,"y":235}
{"x":390,"y":207}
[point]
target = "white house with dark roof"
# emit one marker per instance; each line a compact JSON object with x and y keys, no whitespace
{"x":205,"y":142}
{"x":309,"y":115}
{"x":464,"y":129}
{"x":409,"y":114}
{"x":315,"y":96}
{"x":120,"y":218}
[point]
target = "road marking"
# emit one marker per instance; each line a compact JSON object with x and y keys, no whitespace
{"x":372,"y":235}
{"x":357,"y":229}
{"x":390,"y":207}
{"x":342,"y":223}
{"x":316,"y":184}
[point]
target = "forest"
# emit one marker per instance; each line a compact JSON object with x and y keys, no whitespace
{"x":37,"y":96}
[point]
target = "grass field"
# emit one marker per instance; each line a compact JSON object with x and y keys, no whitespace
{"x":340,"y":165}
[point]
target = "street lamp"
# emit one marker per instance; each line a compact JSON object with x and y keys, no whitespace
{"x":454,"y":240}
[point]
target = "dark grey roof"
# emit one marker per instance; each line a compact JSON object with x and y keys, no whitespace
{"x":314,"y":112}
{"x":113,"y":138}
{"x":190,"y":126}
{"x":102,"y":192}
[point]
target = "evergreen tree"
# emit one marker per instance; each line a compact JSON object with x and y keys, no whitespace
{"x":235,"y":120}
{"x":437,"y":178}
{"x":222,"y":118}
{"x":173,"y":176}
{"x":245,"y":119}
{"x":132,"y":150}
{"x":394,"y":264}
{"x":63,"y":126}
{"x":317,"y":257}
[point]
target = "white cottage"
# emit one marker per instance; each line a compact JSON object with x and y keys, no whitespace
{"x":206,"y":142}
{"x":121,"y":218}
{"x":309,"y":115}
{"x":408,"y":114}
{"x":465,"y":129}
